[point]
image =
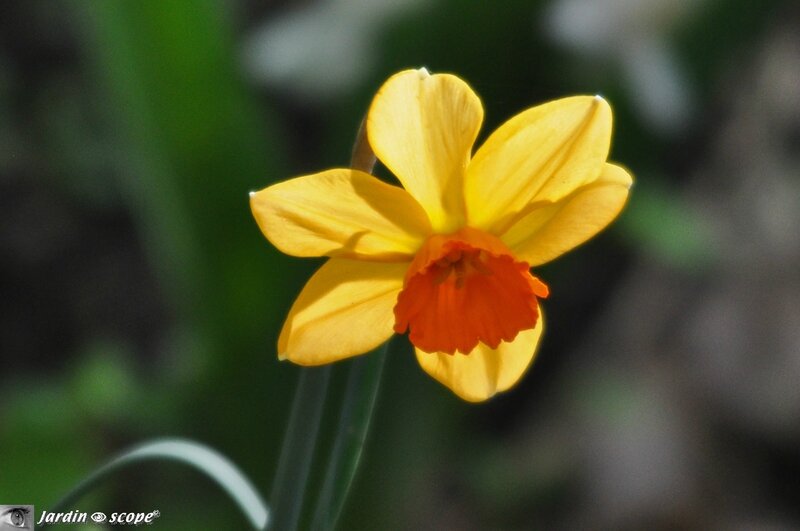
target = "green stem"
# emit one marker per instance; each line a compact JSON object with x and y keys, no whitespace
{"x":357,"y":408}
{"x":362,"y":157}
{"x":289,"y":486}
{"x":204,"y":459}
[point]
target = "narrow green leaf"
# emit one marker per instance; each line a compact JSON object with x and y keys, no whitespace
{"x":359,"y":402}
{"x":289,"y":485}
{"x":202,"y":458}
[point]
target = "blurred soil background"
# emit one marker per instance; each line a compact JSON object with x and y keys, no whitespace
{"x":138,"y":298}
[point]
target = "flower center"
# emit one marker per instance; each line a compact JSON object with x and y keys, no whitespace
{"x":465,"y":288}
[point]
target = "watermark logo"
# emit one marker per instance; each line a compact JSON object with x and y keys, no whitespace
{"x":48,"y":518}
{"x":16,"y":517}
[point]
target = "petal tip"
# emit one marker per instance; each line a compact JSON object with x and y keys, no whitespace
{"x":629,"y":186}
{"x":423,"y":73}
{"x":251,"y":194}
{"x":599,"y":102}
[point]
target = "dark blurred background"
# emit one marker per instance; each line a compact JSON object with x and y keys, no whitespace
{"x":138,"y":298}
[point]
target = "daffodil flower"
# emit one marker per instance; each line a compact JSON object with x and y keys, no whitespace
{"x":446,"y":257}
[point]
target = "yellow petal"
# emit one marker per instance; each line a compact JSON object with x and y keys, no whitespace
{"x":342,"y":213}
{"x":542,"y":154}
{"x":345,"y":309}
{"x":422,"y":128}
{"x":483,"y":372}
{"x":551,"y":229}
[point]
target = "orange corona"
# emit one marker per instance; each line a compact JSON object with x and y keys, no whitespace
{"x":465,"y":288}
